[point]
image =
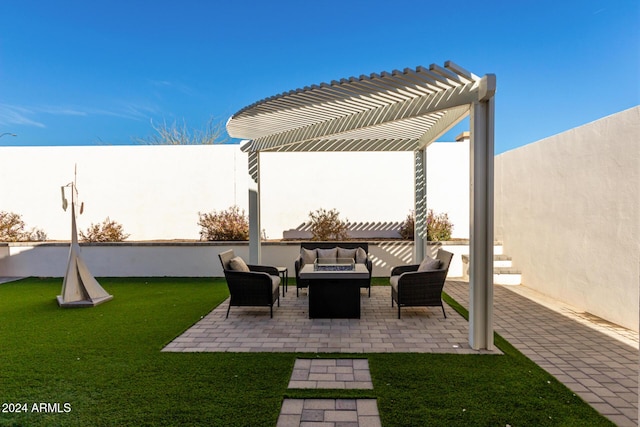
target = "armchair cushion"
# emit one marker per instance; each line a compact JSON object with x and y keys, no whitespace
{"x":275,"y":283}
{"x":393,"y":281}
{"x":238,"y":264}
{"x":429,"y":264}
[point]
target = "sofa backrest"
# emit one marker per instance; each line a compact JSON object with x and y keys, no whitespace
{"x":330,"y":245}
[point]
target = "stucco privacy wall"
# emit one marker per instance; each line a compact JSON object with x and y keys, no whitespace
{"x":156,"y":192}
{"x":184,"y":259}
{"x":568,"y":212}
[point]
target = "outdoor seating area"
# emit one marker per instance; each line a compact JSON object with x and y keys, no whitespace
{"x":334,"y":273}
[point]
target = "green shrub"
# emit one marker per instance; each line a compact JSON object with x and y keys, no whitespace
{"x":327,"y":225}
{"x":13,"y":229}
{"x":108,"y":231}
{"x":231,"y":224}
{"x":439,"y":227}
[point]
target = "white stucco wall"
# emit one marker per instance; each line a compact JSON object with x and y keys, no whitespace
{"x":156,"y":192}
{"x":183,"y":259}
{"x":568,"y":212}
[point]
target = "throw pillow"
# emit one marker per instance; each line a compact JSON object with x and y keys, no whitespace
{"x":361,"y":256}
{"x":328,"y":254}
{"x":238,"y":264}
{"x":346,"y":253}
{"x":308,"y":256}
{"x":429,"y":264}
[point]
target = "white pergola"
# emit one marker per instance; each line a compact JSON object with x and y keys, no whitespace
{"x":398,"y":111}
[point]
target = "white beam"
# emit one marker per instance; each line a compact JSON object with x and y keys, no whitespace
{"x":451,"y":118}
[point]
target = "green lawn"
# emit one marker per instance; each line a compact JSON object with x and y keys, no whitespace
{"x":105,"y":364}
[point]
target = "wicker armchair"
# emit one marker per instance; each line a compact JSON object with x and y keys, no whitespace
{"x":413,"y":288}
{"x":260,"y":286}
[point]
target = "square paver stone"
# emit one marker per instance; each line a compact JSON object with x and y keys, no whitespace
{"x":331,"y":373}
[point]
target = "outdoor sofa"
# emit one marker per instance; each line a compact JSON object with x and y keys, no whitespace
{"x":310,"y":251}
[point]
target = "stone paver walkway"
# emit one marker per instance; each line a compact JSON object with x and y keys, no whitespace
{"x":331,"y":373}
{"x":329,"y":413}
{"x":595,"y":359}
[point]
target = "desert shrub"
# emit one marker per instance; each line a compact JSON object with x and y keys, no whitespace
{"x":439,"y":227}
{"x":408,"y":226}
{"x":108,"y":231}
{"x":327,"y":225}
{"x":231,"y":224}
{"x":13,"y":229}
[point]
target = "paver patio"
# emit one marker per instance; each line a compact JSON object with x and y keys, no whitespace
{"x":249,"y":329}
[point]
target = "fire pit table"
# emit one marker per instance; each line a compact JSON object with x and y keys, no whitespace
{"x":334,"y":288}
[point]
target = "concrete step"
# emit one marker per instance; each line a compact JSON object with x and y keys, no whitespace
{"x":503,"y":271}
{"x":507,"y":276}
{"x":502,"y":261}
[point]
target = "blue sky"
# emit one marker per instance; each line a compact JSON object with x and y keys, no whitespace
{"x":83,"y":73}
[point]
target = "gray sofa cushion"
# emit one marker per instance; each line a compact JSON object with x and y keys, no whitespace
{"x":328,"y":254}
{"x":308,"y":256}
{"x":346,"y":253}
{"x":361,"y":256}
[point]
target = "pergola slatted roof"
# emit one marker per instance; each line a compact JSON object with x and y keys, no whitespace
{"x":398,"y":111}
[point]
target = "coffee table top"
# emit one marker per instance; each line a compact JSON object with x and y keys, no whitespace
{"x":359,"y":272}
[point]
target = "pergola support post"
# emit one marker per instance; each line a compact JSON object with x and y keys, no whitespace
{"x":420,"y":205}
{"x":481,"y":221}
{"x":255,"y":242}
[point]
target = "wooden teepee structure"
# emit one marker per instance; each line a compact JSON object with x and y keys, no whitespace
{"x":79,"y":288}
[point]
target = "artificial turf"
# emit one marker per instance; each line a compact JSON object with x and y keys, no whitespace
{"x":105,"y":363}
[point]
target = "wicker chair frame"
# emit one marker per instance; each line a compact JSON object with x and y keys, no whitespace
{"x":253,"y":288}
{"x":421,"y":288}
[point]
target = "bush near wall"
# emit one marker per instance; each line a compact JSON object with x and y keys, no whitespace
{"x":13,"y":229}
{"x":231,"y":224}
{"x":439,"y":227}
{"x":327,"y":225}
{"x":108,"y":231}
